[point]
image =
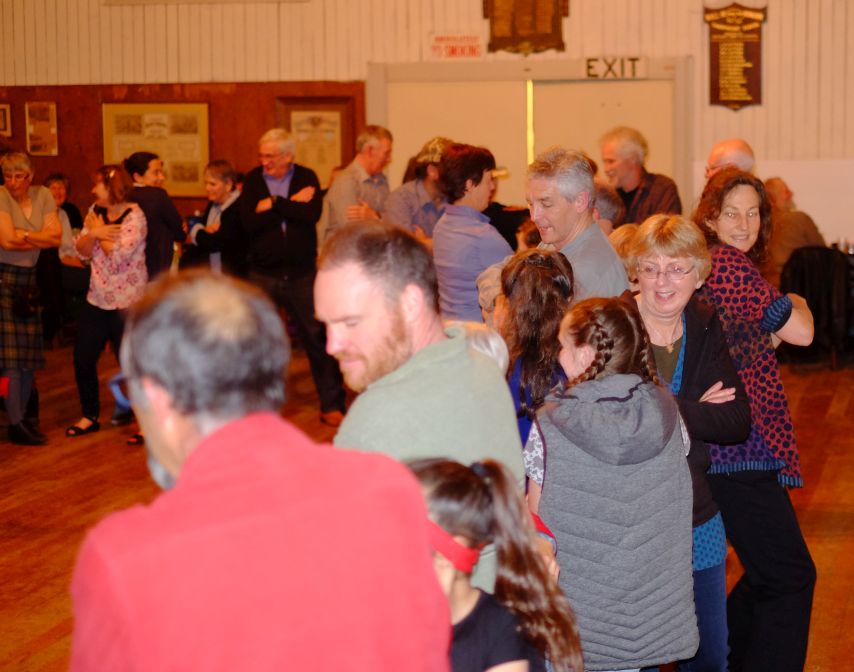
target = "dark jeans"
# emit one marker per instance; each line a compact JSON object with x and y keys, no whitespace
{"x":95,"y":328}
{"x":769,"y":608}
{"x":296,"y":296}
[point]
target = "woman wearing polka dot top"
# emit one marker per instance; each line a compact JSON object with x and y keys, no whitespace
{"x":769,"y":608}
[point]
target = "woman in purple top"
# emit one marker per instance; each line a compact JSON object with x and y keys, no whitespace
{"x":464,"y":242}
{"x":769,"y":608}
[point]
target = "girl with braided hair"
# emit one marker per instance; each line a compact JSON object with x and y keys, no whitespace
{"x":617,"y":492}
{"x":527,"y":618}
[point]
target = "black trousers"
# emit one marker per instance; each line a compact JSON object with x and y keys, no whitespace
{"x":296,"y":296}
{"x":768,"y":610}
{"x":96,"y":327}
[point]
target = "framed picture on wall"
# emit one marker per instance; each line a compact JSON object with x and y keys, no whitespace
{"x":323,"y":128}
{"x":5,"y":120}
{"x":176,"y":132}
{"x":42,"y":134}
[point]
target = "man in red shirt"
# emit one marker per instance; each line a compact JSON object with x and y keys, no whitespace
{"x":268,"y":552}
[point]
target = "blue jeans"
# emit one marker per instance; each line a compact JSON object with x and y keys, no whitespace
{"x":710,"y":606}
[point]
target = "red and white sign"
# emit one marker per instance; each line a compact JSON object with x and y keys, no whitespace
{"x":453,"y":47}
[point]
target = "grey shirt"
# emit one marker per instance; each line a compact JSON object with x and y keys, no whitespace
{"x":597,"y":269}
{"x":446,"y":401}
{"x":43,"y":205}
{"x":351,"y":186}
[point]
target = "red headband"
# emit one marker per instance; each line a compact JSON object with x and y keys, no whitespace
{"x":462,"y":557}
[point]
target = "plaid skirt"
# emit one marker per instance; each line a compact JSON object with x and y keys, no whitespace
{"x":20,"y":338}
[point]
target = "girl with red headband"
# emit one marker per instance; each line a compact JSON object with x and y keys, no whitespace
{"x":527,"y":619}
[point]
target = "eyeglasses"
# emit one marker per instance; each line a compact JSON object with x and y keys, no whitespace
{"x":673,"y":273}
{"x":269,"y":157}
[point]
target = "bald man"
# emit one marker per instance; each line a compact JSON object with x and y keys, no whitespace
{"x":734,"y":152}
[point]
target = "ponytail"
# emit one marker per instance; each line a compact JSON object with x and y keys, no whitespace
{"x":523,"y":584}
{"x":482,"y":505}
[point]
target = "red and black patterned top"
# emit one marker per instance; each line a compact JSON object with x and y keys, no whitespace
{"x":750,"y":309}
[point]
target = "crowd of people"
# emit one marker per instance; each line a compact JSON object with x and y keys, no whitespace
{"x":587,"y":406}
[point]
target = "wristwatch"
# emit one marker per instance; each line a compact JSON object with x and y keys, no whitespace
{"x":26,"y":236}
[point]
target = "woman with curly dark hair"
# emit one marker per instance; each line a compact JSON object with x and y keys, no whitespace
{"x":527,"y":618}
{"x":537,"y":287}
{"x":617,"y":492}
{"x":769,"y":608}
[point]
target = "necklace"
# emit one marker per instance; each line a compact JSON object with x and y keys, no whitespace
{"x":675,"y":336}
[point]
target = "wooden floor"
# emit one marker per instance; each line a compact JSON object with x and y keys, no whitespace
{"x":50,"y":495}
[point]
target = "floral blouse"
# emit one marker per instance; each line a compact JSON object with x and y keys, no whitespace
{"x":119,"y":278}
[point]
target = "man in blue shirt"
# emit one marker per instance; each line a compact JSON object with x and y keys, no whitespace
{"x":418,"y":204}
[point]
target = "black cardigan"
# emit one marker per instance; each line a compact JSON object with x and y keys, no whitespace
{"x":164,"y":227}
{"x":271,"y":250}
{"x":707,"y":361}
{"x":229,"y":240}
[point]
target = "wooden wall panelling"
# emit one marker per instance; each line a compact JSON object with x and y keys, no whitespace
{"x":172,"y":54}
{"x":90,"y":37}
{"x":848,"y":116}
{"x":776,"y":36}
{"x":799,"y":79}
{"x":19,"y":40}
{"x":63,"y":39}
{"x":238,"y":114}
{"x":7,"y":16}
{"x":809,"y":134}
{"x":48,"y":42}
{"x":808,"y":70}
{"x":836,"y":85}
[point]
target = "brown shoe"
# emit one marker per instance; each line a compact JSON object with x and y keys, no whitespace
{"x":332,"y":418}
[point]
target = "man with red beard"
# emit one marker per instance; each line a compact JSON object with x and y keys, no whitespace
{"x":424,"y":393}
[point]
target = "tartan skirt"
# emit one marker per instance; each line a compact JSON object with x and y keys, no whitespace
{"x":20,"y":338}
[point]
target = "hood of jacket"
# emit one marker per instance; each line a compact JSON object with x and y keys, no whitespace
{"x":618,"y":419}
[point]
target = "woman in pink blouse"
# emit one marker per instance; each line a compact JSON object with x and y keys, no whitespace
{"x":113,"y":237}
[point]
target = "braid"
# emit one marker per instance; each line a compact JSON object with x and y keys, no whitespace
{"x":613,"y":328}
{"x":602,"y":343}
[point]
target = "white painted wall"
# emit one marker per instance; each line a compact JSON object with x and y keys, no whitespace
{"x":805,"y":128}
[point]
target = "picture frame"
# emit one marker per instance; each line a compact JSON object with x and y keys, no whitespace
{"x":41,"y":128}
{"x":6,"y":120}
{"x":177,"y":132}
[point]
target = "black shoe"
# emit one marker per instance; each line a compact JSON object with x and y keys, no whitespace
{"x":32,"y":424}
{"x":121,"y":418}
{"x":23,"y":436}
{"x":75,"y":430}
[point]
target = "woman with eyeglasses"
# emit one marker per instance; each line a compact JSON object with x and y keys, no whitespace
{"x":769,"y":608}
{"x":668,"y":258}
{"x":28,"y":224}
{"x":113,"y":237}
